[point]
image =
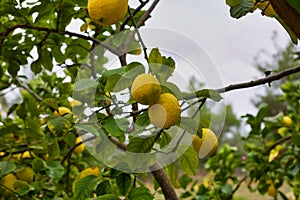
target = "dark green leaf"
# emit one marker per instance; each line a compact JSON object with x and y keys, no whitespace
{"x":6,"y":167}
{"x":141,"y":144}
{"x":140,"y":193}
{"x":117,"y":83}
{"x":232,"y":3}
{"x":36,"y":67}
{"x":295,"y":4}
{"x":124,"y":183}
{"x":84,"y":187}
{"x":54,"y":169}
{"x":103,"y":188}
{"x":112,"y":127}
{"x":189,"y":161}
{"x":107,"y":197}
{"x":241,"y":9}
{"x":58,"y":125}
{"x":184,"y":181}
{"x":84,"y":84}
{"x":172,"y":172}
{"x":143,"y":119}
{"x":53,"y":149}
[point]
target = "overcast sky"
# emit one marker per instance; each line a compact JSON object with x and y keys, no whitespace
{"x":231,"y":44}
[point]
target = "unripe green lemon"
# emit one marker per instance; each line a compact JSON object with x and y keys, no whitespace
{"x":145,"y":89}
{"x":9,"y":181}
{"x":107,"y":12}
{"x":207,"y":145}
{"x":165,"y":112}
{"x":26,"y":174}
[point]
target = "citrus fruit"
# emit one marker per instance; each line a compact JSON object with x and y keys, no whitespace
{"x":165,"y":112}
{"x":89,"y":171}
{"x":272,"y":191}
{"x":74,"y":103}
{"x":62,"y":111}
{"x":207,"y":145}
{"x":9,"y":181}
{"x":26,"y":174}
{"x":80,"y":148}
{"x":26,"y":154}
{"x":107,"y":12}
{"x":286,"y":121}
{"x":145,"y":89}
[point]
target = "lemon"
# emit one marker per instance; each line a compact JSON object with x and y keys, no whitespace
{"x":26,"y":154}
{"x":62,"y":111}
{"x":26,"y":174}
{"x":75,"y":103}
{"x":89,"y":171}
{"x":272,"y":191}
{"x":80,"y":148}
{"x":145,"y":89}
{"x":286,"y":121}
{"x":165,"y":112}
{"x":8,"y":181}
{"x":207,"y":145}
{"x":107,"y":12}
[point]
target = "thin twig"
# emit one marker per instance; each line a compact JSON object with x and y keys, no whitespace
{"x":62,"y":32}
{"x":12,"y":191}
{"x":280,"y":141}
{"x":260,"y":81}
{"x":147,"y":14}
{"x":236,"y":187}
{"x":23,"y":85}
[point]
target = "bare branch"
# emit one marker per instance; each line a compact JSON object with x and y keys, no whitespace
{"x":261,"y":81}
{"x":23,"y":85}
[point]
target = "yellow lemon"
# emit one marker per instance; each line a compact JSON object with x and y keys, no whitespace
{"x":165,"y":112}
{"x":107,"y":12}
{"x":89,"y":171}
{"x":26,"y":154}
{"x":207,"y":145}
{"x":145,"y":89}
{"x":74,"y":103}
{"x":26,"y":174}
{"x":62,"y":111}
{"x":8,"y":181}
{"x":286,"y":121}
{"x":80,"y":148}
{"x":272,"y":191}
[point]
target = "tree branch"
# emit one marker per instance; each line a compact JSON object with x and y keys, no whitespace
{"x":23,"y":85}
{"x":260,"y":81}
{"x":62,"y":32}
{"x":288,"y":15}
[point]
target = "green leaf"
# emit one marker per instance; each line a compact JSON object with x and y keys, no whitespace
{"x":140,"y":193}
{"x":36,"y":67}
{"x":85,"y":84}
{"x":107,"y":197}
{"x":172,"y":172}
{"x":184,"y":181}
{"x":155,"y":57}
{"x":6,"y":167}
{"x":117,"y":83}
{"x":134,"y":69}
{"x":46,"y":59}
{"x":209,"y":93}
{"x":295,"y":4}
{"x":84,"y":187}
{"x":103,"y":188}
{"x":241,"y":9}
{"x":143,"y":119}
{"x":53,"y":149}
{"x":124,"y":183}
{"x":232,"y":3}
{"x":141,"y":144}
{"x":172,"y":88}
{"x":37,"y":164}
{"x":54,"y":169}
{"x":164,"y":139}
{"x":190,"y":125}
{"x":112,"y":127}
{"x":58,"y":125}
{"x":189,"y":161}
{"x":48,"y":103}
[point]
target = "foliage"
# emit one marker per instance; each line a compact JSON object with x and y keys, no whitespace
{"x":46,"y":66}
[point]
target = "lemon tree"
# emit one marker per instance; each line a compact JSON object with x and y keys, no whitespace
{"x":57,"y":85}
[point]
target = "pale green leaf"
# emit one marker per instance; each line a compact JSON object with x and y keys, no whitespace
{"x":83,"y":187}
{"x":189,"y":161}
